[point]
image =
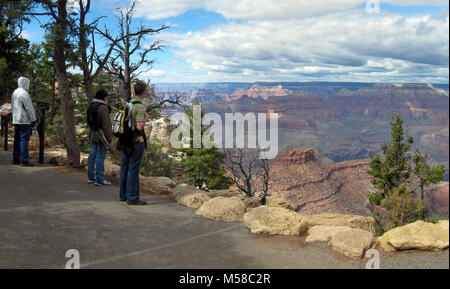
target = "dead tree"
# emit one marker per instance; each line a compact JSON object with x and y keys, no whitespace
{"x":120,"y":63}
{"x":265,"y":179}
{"x":249,"y":173}
{"x":86,"y":41}
{"x":57,"y":11}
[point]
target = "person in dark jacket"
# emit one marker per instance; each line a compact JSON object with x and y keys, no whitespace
{"x":97,"y":155}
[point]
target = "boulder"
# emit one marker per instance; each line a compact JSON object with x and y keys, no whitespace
{"x":58,"y":160}
{"x":157,"y":185}
{"x":352,"y":221}
{"x":324,"y":233}
{"x":112,"y":172}
{"x":183,"y":190}
{"x":160,"y":130}
{"x":419,"y":235}
{"x":84,"y":162}
{"x":352,"y":243}
{"x":194,"y":201}
{"x":251,"y":202}
{"x":223,"y":209}
{"x":275,"y":221}
{"x":224,"y":193}
{"x":277,"y":202}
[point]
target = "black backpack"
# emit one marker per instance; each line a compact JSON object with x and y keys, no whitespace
{"x":92,"y":116}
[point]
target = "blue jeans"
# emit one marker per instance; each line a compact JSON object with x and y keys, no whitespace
{"x":22,"y":133}
{"x":96,"y":158}
{"x":129,"y":173}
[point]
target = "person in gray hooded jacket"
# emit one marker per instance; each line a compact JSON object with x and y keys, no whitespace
{"x":23,"y":119}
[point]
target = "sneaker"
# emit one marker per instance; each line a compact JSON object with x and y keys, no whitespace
{"x":91,"y":181}
{"x":16,"y":162}
{"x":105,"y":183}
{"x":27,"y":164}
{"x":137,"y":203}
{"x":123,"y":200}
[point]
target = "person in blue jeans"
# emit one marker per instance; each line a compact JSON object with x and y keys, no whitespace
{"x":132,"y":158}
{"x":24,"y":118}
{"x":96,"y":165}
{"x":22,"y":133}
{"x":100,"y":124}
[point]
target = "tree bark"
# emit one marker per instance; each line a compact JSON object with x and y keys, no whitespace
{"x":68,"y":104}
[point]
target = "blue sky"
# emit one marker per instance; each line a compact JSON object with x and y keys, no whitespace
{"x":290,"y":40}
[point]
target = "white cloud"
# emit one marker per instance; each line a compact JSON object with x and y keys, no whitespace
{"x":342,"y":46}
{"x":261,"y":9}
{"x":27,"y":34}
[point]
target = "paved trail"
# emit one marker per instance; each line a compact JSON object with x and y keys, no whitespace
{"x":45,"y":211}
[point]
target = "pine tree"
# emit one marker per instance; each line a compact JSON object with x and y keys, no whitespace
{"x":203,"y":167}
{"x":13,"y":47}
{"x":393,"y":169}
{"x":426,"y":173}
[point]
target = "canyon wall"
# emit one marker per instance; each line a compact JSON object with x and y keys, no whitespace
{"x":311,"y":186}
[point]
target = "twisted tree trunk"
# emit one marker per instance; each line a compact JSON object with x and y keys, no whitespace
{"x":68,"y":104}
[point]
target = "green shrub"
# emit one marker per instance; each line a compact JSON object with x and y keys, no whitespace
{"x":401,"y":208}
{"x":375,"y":199}
{"x":158,"y":163}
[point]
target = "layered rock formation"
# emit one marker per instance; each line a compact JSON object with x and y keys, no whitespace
{"x":311,"y":186}
{"x":438,"y":198}
{"x":260,"y":91}
{"x":412,"y":101}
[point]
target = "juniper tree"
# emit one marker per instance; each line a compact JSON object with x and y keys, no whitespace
{"x":426,"y":173}
{"x":13,"y":46}
{"x":393,"y":169}
{"x":203,"y":167}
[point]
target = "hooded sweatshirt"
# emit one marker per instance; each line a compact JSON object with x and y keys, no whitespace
{"x":22,"y":107}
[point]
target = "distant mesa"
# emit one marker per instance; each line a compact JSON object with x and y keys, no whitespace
{"x":263,"y":92}
{"x":296,"y":156}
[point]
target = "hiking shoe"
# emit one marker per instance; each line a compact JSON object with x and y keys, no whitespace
{"x":137,"y":203}
{"x":27,"y":164}
{"x":91,"y":181}
{"x":105,"y":183}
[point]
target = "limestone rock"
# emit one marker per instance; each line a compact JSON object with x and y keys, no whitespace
{"x":352,"y":243}
{"x":252,"y":202}
{"x":324,"y":233}
{"x":223,"y":209}
{"x":84,"y":162}
{"x":160,"y":130}
{"x":112,"y":172}
{"x":58,"y":160}
{"x":183,"y":190}
{"x":278,"y":202}
{"x":275,"y":221}
{"x":157,"y":185}
{"x":224,"y":193}
{"x":352,"y":221}
{"x":419,"y":235}
{"x":194,"y":201}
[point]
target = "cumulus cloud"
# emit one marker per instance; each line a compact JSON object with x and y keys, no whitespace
{"x":341,"y":46}
{"x":302,"y":40}
{"x":261,"y":9}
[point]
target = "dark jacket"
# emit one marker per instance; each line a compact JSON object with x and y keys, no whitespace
{"x":105,"y":123}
